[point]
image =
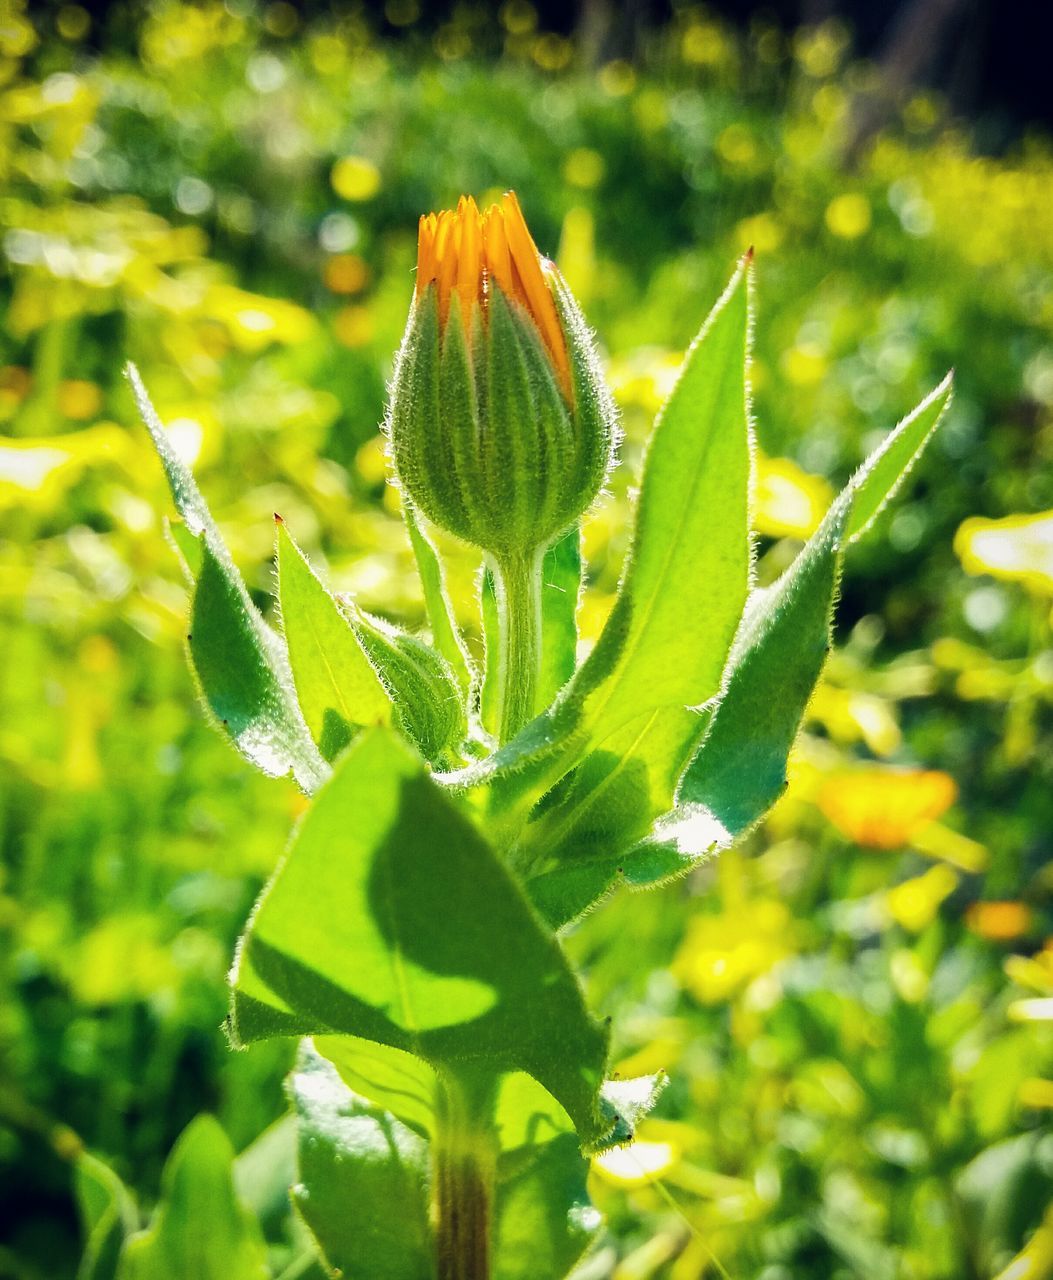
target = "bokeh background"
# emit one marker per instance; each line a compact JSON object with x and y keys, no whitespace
{"x":856,"y":1007}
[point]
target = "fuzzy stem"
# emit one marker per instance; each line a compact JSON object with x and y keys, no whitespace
{"x":517,"y":583}
{"x":464,"y":1166}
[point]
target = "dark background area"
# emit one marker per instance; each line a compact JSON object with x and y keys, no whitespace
{"x":990,"y":58}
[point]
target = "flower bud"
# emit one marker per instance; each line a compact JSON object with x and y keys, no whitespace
{"x":500,"y":424}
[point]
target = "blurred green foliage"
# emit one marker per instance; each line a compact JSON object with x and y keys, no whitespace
{"x":859,"y":1005}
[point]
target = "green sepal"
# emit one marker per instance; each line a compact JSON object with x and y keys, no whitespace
{"x":200,"y":1229}
{"x":593,"y":414}
{"x":241,"y":666}
{"x":445,"y":633}
{"x":429,"y":705}
{"x":338,"y":689}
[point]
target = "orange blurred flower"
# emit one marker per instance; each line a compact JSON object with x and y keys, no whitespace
{"x":884,"y":808}
{"x":999,"y":921}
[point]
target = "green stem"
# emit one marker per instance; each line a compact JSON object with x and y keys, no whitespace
{"x":464,"y":1168}
{"x":517,"y":583}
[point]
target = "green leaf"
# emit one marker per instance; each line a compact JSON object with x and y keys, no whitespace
{"x":201,"y":1231}
{"x":688,"y":570}
{"x":336,"y":684}
{"x":392,"y":919}
{"x":445,"y":633}
{"x":560,"y":588}
{"x":544,"y":1220}
{"x":740,"y":769}
{"x":186,"y":546}
{"x":612,"y":799}
{"x":526,"y":1114}
{"x":241,"y":666}
{"x":108,"y":1215}
{"x":429,"y":706}
{"x":567,"y":891}
{"x":362,"y":1184}
{"x":393,"y":1079}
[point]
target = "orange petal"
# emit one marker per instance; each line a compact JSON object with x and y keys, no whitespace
{"x":425,"y":252}
{"x":446,"y":259}
{"x":498,"y":259}
{"x":469,"y":256}
{"x":534,"y":295}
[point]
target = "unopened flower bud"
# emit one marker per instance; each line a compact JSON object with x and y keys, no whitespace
{"x":500,"y":424}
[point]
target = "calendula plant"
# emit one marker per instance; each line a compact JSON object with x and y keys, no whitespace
{"x":452,"y":1080}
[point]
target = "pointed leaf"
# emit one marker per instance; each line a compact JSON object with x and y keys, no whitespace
{"x":241,"y":665}
{"x":392,"y":919}
{"x":688,"y":570}
{"x":243,"y":675}
{"x":362,"y":1185}
{"x":740,"y":769}
{"x":201,"y":1231}
{"x":335,"y":682}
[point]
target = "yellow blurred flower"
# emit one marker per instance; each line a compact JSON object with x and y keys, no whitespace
{"x":1038,"y":1009}
{"x":914,"y":903}
{"x":584,"y":168}
{"x":253,"y":321}
{"x":804,"y":365}
{"x":78,"y":399}
{"x":355,"y":178}
{"x":882,"y":808}
{"x":850,"y":715}
{"x":788,"y":502}
{"x":353,"y":326}
{"x":722,"y":953}
{"x":848,"y":216}
{"x":763,"y":232}
{"x":1018,"y":548}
